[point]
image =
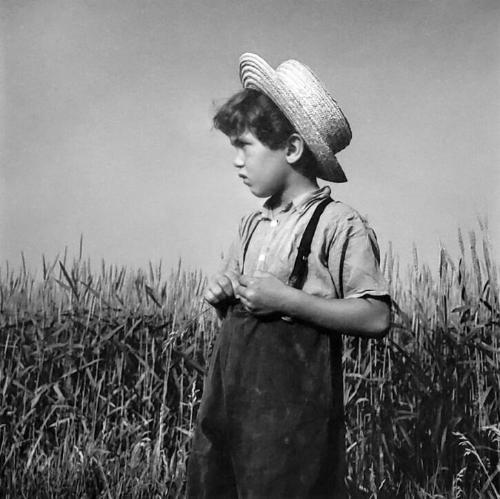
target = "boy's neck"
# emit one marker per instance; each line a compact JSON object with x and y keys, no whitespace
{"x":297,"y":186}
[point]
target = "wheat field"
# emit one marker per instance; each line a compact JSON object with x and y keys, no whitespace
{"x":101,"y":373}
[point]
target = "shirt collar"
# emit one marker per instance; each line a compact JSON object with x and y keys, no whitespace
{"x":300,"y":203}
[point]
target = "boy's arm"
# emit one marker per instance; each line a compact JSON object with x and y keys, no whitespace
{"x":219,"y":291}
{"x":265,"y":294}
{"x":367,"y":316}
{"x":220,"y":287}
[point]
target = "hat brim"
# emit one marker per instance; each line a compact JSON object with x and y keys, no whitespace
{"x":255,"y":73}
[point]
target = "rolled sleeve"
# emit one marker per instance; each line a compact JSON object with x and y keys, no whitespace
{"x":354,"y":261}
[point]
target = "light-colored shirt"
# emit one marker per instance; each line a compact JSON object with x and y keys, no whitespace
{"x":344,"y":258}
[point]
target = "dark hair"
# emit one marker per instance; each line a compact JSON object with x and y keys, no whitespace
{"x":254,"y":111}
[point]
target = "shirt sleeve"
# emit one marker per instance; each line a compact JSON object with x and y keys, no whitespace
{"x":354,"y":261}
{"x":235,"y":255}
{"x":230,"y":261}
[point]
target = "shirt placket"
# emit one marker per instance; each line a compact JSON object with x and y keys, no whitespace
{"x":265,"y":250}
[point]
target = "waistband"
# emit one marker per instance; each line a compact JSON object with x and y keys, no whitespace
{"x":237,"y":309}
{"x":238,"y":312}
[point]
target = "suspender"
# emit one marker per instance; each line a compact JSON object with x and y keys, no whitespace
{"x":299,"y":271}
{"x":245,"y":249}
{"x":342,"y":260}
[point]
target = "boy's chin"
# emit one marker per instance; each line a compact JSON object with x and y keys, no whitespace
{"x":259,"y":193}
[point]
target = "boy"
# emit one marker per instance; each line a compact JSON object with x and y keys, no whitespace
{"x":303,"y":271}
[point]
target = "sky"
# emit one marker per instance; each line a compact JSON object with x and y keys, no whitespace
{"x":106,"y":121}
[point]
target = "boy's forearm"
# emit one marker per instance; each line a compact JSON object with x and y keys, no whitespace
{"x":367,"y":317}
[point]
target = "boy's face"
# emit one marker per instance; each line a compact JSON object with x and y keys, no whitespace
{"x":265,"y":171}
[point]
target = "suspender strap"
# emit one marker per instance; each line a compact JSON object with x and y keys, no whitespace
{"x":245,"y":249}
{"x":342,"y":260}
{"x":299,"y":271}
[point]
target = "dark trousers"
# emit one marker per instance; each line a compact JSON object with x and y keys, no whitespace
{"x":270,"y":424}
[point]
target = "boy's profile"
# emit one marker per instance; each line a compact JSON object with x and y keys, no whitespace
{"x":303,"y":270}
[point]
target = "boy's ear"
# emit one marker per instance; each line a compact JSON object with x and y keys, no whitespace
{"x":294,"y":148}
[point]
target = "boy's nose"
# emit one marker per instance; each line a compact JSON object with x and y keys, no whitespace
{"x":239,"y":161}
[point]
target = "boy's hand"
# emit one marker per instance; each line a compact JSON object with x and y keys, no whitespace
{"x":221,"y":288}
{"x":262,"y":294}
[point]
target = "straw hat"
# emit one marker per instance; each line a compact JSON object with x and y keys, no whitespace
{"x":307,"y":104}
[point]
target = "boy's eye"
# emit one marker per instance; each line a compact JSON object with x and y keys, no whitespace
{"x":240,"y":144}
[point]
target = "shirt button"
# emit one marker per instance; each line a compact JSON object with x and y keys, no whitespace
{"x":262,"y":257}
{"x":274,"y":223}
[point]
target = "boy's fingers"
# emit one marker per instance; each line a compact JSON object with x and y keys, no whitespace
{"x":241,"y":292}
{"x":234,"y":277}
{"x":225,"y":285}
{"x":246,"y":304}
{"x":215,"y":292}
{"x":210,"y":297}
{"x":245,"y":281}
{"x":243,"y":287}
